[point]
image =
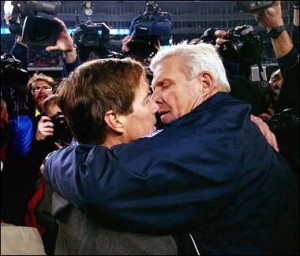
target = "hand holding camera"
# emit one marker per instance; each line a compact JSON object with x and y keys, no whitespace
{"x":45,"y":128}
{"x":54,"y":127}
{"x":23,"y":20}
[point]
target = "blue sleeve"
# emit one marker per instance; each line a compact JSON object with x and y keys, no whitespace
{"x":22,"y":134}
{"x":69,"y":67}
{"x":147,"y":194}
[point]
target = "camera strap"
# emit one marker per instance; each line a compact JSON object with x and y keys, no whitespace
{"x":260,"y":70}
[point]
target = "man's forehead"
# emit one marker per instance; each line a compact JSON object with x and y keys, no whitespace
{"x":40,"y":81}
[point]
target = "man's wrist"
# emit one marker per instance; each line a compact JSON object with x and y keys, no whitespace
{"x":71,"y":50}
{"x":275,"y":32}
{"x":70,"y":55}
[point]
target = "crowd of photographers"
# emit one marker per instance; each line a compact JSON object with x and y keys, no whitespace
{"x":29,"y":130}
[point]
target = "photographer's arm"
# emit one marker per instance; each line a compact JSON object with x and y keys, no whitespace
{"x":65,"y":44}
{"x":269,"y":18}
{"x":295,"y":27}
{"x":287,"y":56}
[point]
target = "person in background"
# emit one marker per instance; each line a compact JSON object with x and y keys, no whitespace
{"x":285,"y":120}
{"x":18,"y":178}
{"x":287,"y":54}
{"x":209,"y":176}
{"x":40,"y":86}
{"x":47,"y":139}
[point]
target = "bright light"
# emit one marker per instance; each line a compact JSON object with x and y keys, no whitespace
{"x":112,"y":31}
{"x":8,"y":10}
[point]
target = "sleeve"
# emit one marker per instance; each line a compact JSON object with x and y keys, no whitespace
{"x":295,"y":35}
{"x":22,"y":128}
{"x":289,"y":94}
{"x":140,"y":191}
{"x":69,"y":67}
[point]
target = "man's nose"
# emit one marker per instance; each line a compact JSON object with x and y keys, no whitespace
{"x":155,"y":96}
{"x":154,"y":107}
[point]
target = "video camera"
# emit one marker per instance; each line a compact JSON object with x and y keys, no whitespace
{"x":14,"y":84}
{"x":11,"y":73}
{"x":242,"y":45}
{"x":252,"y":6}
{"x":148,"y":30}
{"x":34,"y":29}
{"x":90,"y":37}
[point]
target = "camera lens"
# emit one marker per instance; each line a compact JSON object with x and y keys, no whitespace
{"x":90,"y":39}
{"x":230,"y":50}
{"x":40,"y":31}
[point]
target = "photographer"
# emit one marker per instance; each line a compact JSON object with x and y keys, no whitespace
{"x":63,"y":44}
{"x":239,"y":51}
{"x":18,"y":177}
{"x":286,"y":120}
{"x":147,"y":33}
{"x":52,"y":134}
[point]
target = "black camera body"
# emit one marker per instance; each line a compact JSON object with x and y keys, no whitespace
{"x":148,"y":29}
{"x":34,"y":29}
{"x":209,"y":36}
{"x":284,"y":122}
{"x":253,"y":6}
{"x":12,"y":75}
{"x":91,"y":34}
{"x":62,"y":133}
{"x":14,"y":85}
{"x":285,"y":125}
{"x":243,"y":45}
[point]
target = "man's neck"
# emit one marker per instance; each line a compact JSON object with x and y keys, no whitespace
{"x":112,"y":140}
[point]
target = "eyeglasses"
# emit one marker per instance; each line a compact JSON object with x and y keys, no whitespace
{"x":45,"y":88}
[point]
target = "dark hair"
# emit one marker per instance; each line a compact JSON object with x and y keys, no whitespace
{"x":94,"y":88}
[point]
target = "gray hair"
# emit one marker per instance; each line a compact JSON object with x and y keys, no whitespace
{"x":196,"y":59}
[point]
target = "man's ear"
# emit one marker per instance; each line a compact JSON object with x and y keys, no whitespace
{"x":207,"y":81}
{"x":114,"y":121}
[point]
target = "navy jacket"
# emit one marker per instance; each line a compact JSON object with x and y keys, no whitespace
{"x":210,"y":171}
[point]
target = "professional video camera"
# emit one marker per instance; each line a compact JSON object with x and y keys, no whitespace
{"x":90,"y":37}
{"x":252,"y":6}
{"x":242,"y":45}
{"x":62,"y":133}
{"x":147,"y":29}
{"x":34,"y":29}
{"x":14,"y":84}
{"x":11,"y":73}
